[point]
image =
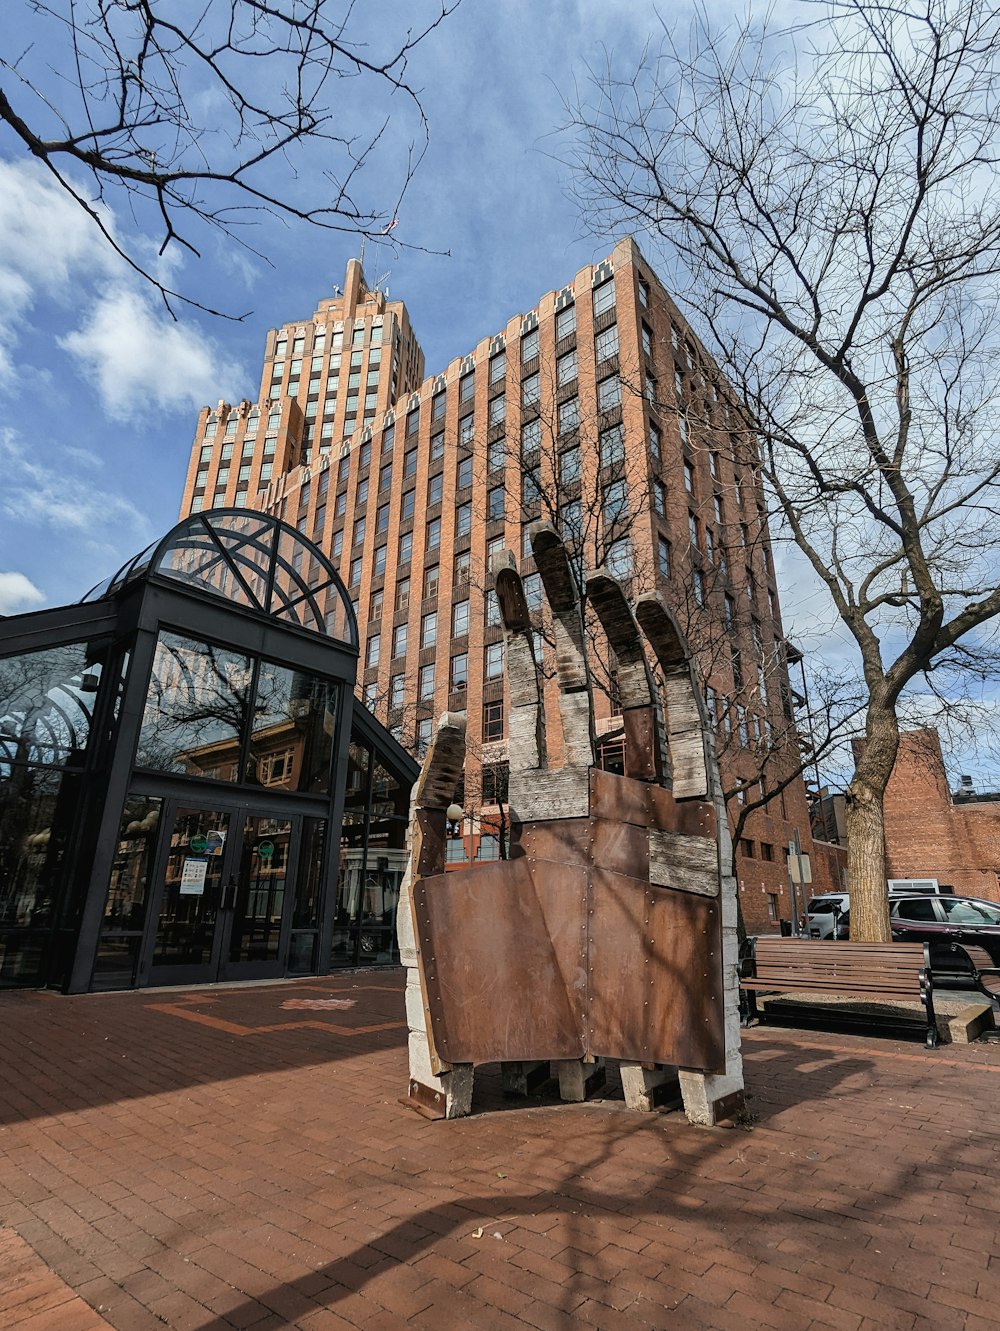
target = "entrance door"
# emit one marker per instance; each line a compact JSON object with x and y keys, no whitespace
{"x":223,"y":909}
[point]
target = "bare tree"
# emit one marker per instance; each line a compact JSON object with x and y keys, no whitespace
{"x":201,"y":116}
{"x":828,"y":197}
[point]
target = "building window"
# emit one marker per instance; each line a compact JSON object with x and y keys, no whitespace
{"x":385,"y":479}
{"x":435,"y":489}
{"x":530,"y":391}
{"x":438,"y":404}
{"x":746,"y":848}
{"x":529,"y":345}
{"x":660,"y":498}
{"x":397,"y":689}
{"x":491,"y":615}
{"x":606,"y":344}
{"x":433,"y":534}
{"x":647,"y":341}
{"x":463,"y":522}
{"x":337,"y":544}
{"x":399,"y":640}
{"x":643,"y":294}
{"x":492,"y":722}
{"x":533,"y":591}
{"x":402,"y":594}
{"x":425,"y":686}
{"x":767,"y":851}
{"x":437,"y":447}
{"x":497,"y":411}
{"x":489,"y":846}
{"x":604,"y":297}
{"x":356,"y":572}
{"x":495,"y":504}
{"x":466,"y":387}
{"x":496,"y":455}
{"x":609,"y":393}
{"x":612,"y":444}
{"x":531,"y":487}
{"x":772,"y":905}
{"x":432,"y":581}
{"x":463,"y":565}
{"x":565,"y":322}
{"x":459,"y":619}
{"x":569,"y":466}
{"x":466,"y":430}
{"x":616,"y":505}
{"x":375,"y":603}
{"x":663,"y":555}
{"x":370,"y":694}
{"x":382,"y":518}
{"x":619,"y":561}
{"x":359,"y":531}
{"x":531,"y":437}
{"x":689,"y":476}
{"x":413,"y":422}
{"x":406,"y":547}
{"x":493,"y":660}
{"x":498,"y":368}
{"x":464,"y":477}
{"x":410,"y":463}
{"x":378,"y":565}
{"x":458,"y":674}
{"x":372,"y":650}
{"x":569,"y":415}
{"x":425,"y":731}
{"x":566,"y":368}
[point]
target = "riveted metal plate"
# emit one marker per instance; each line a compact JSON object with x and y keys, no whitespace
{"x":618,"y":797}
{"x":655,"y":975}
{"x":564,"y":840}
{"x":503,"y":951}
{"x":687,"y":817}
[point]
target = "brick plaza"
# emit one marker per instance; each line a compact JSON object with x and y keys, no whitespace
{"x":214,"y":1159}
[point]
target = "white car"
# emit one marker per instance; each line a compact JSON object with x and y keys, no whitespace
{"x":823,"y":913}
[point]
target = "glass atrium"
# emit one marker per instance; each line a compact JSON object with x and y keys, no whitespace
{"x":189,"y":790}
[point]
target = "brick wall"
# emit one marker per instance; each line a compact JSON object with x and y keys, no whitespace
{"x":928,"y":836}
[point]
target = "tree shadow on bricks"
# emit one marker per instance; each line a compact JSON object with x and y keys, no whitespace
{"x":598,"y":1176}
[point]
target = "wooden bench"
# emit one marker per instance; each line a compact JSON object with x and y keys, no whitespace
{"x":985,"y":973}
{"x":865,"y":971}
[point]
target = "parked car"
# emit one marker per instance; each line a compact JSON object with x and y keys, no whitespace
{"x":823,"y":912}
{"x":941,"y":921}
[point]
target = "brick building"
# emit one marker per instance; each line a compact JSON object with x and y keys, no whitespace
{"x":931,"y":832}
{"x":597,"y":410}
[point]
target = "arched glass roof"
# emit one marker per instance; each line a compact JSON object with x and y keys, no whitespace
{"x":254,"y":562}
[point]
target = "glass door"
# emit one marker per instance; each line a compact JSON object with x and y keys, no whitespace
{"x":224,"y":911}
{"x":195,"y":896}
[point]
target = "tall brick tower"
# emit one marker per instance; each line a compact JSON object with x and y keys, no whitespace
{"x":597,"y":410}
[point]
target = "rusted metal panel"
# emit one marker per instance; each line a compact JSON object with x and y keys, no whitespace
{"x":564,"y":840}
{"x":688,"y":817}
{"x":503,"y":952}
{"x":618,"y":798}
{"x":429,"y":840}
{"x":655,"y":973}
{"x":641,"y":743}
{"x":619,"y":847}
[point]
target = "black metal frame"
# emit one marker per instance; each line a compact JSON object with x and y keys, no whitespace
{"x":136,"y":605}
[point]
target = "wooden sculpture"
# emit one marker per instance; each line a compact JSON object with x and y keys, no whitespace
{"x":610,"y":932}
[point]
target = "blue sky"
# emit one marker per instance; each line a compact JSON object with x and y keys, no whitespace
{"x":101,"y":388}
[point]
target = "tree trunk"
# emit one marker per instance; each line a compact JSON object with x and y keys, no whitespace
{"x":866,"y":878}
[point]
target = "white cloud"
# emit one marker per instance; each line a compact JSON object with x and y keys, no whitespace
{"x":129,"y":349}
{"x":137,"y":358}
{"x":18,"y":593}
{"x":66,"y":497}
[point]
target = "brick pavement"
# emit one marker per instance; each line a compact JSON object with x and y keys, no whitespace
{"x":238,"y":1158}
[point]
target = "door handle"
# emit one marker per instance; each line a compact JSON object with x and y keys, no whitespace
{"x":229,"y":895}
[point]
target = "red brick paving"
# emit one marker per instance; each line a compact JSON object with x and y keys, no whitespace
{"x":215,"y":1159}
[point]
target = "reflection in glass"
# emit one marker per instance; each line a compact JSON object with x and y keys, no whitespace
{"x":192,"y":890}
{"x":37,"y":810}
{"x":128,"y":892}
{"x":260,"y":890}
{"x":302,"y":953}
{"x":46,"y":704}
{"x":389,"y":796}
{"x":291,"y":742}
{"x":196,"y":709}
{"x":358,"y":764}
{"x":385,"y":863}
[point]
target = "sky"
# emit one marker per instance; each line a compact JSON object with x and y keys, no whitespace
{"x":101,"y":387}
